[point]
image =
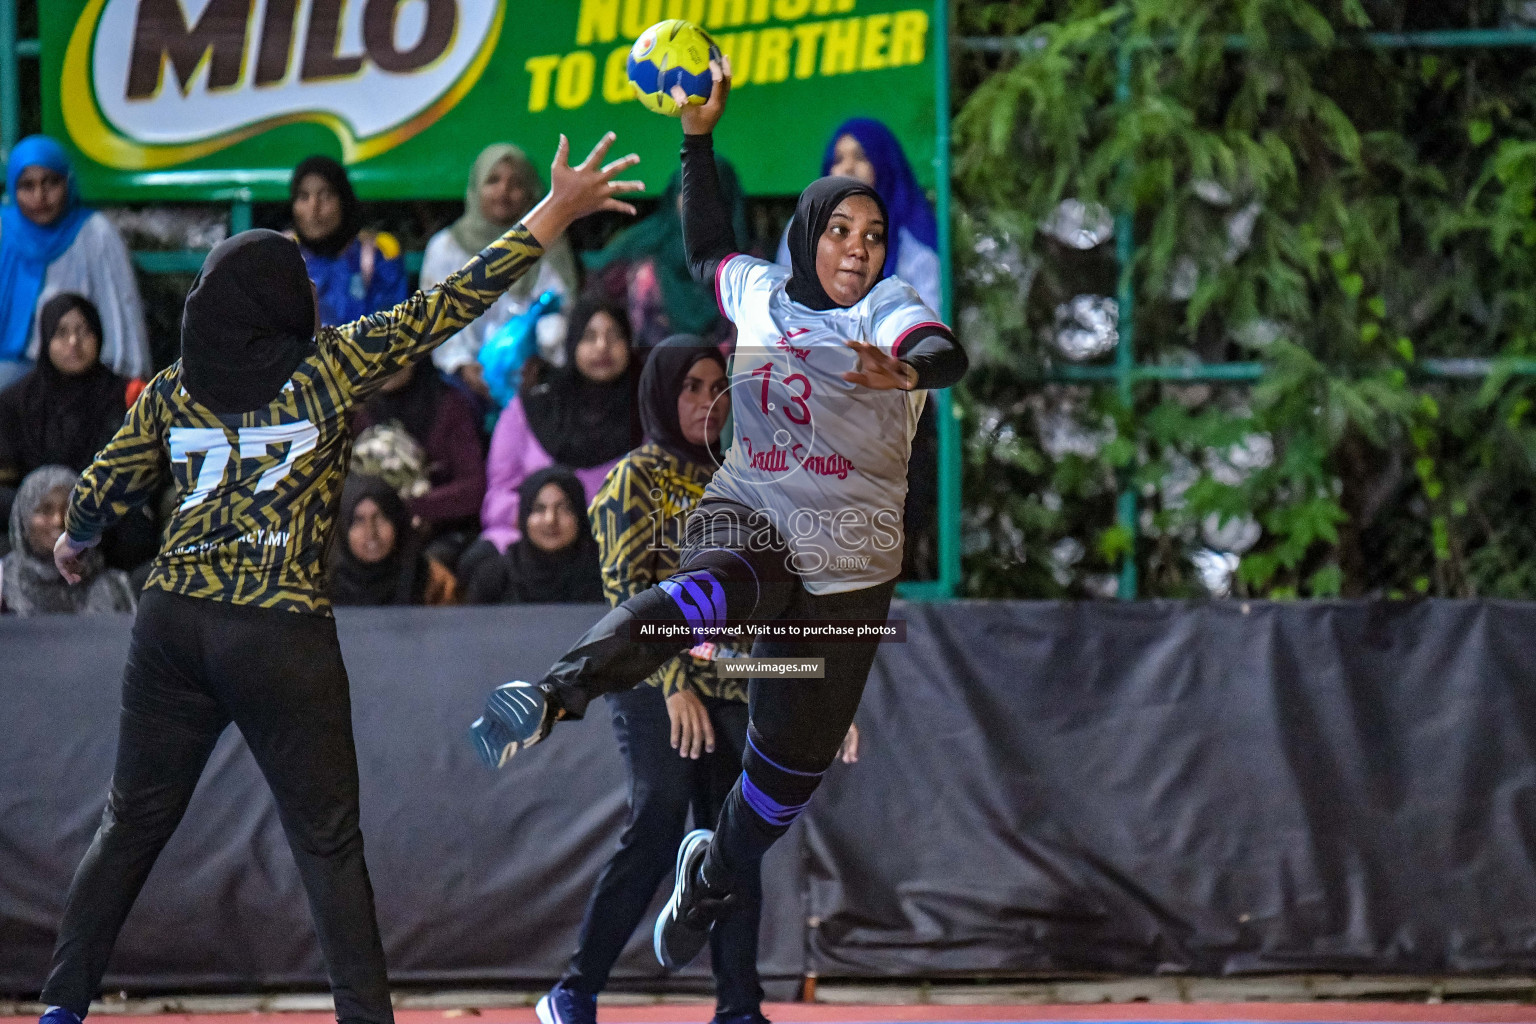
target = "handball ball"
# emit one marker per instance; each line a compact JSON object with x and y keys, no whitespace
{"x":672,"y":52}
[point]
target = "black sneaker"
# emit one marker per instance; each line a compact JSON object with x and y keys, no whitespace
{"x":517,"y":715}
{"x":682,"y":929}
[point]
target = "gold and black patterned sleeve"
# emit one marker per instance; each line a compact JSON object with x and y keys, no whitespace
{"x":361,"y":355}
{"x":127,"y":472}
{"x":623,"y":522}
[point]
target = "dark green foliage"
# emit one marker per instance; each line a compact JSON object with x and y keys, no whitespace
{"x":1339,"y":214}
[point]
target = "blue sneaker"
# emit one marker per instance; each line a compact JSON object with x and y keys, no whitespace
{"x":517,"y":715}
{"x":561,"y":1005}
{"x":741,"y":1018}
{"x":682,"y":929}
{"x":58,"y":1015}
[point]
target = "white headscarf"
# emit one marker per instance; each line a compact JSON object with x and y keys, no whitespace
{"x":33,"y":586}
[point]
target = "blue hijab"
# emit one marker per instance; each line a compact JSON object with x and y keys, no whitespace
{"x":905,"y":202}
{"x":26,"y":248}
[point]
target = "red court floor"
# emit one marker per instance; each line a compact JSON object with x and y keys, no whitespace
{"x":822,"y":1013}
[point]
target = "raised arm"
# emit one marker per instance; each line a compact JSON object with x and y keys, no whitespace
{"x":364,"y":353}
{"x":707,"y":234}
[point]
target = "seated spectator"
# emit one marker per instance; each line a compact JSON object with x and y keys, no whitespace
{"x":65,"y":410}
{"x":866,"y":149}
{"x":51,"y":243}
{"x":29,"y":583}
{"x":503,"y":185}
{"x":646,"y":269}
{"x":378,"y":558}
{"x":555,"y":559}
{"x":579,"y":415}
{"x":443,"y":422}
{"x":355,"y":272}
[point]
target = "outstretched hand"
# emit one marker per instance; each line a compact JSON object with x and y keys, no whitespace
{"x":575,"y":192}
{"x":701,"y":118}
{"x":880,"y":371}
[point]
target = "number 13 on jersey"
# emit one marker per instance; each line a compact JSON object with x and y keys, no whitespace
{"x":252,"y":444}
{"x":798,"y":412}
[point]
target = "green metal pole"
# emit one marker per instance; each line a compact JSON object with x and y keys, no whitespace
{"x":947,"y":413}
{"x":1125,"y":350}
{"x":240,"y":214}
{"x":10,"y":92}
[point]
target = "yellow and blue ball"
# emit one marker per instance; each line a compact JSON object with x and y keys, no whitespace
{"x":669,"y":53}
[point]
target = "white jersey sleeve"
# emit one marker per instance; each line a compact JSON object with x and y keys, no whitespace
{"x":738,"y":277}
{"x":894,"y":311}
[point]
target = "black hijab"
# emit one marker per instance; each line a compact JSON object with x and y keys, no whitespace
{"x":335,"y":175}
{"x":579,"y":422}
{"x":568,"y":576}
{"x":248,"y":323}
{"x":661,"y":383}
{"x":414,"y":406}
{"x":812,"y":213}
{"x":57,"y":419}
{"x":394,"y":579}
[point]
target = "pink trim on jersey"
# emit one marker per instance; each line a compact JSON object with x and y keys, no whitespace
{"x":719,"y":267}
{"x":896,"y":346}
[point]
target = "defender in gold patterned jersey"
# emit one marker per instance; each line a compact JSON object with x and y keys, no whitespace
{"x":258,"y":490}
{"x":234,"y":626}
{"x":684,"y":732}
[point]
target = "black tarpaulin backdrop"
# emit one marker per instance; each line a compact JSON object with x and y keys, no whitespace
{"x":1212,"y":788}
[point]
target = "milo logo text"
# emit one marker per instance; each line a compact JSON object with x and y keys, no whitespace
{"x":226,"y":34}
{"x":196,"y":76}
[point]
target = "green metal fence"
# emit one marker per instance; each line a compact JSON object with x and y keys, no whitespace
{"x":1125,"y":372}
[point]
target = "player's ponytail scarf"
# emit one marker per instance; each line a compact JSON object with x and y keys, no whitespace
{"x":812,"y":213}
{"x":248,"y":322}
{"x":906,"y":205}
{"x":661,"y":383}
{"x":26,"y":248}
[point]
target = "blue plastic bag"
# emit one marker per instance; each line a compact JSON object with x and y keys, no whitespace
{"x":504,"y":353}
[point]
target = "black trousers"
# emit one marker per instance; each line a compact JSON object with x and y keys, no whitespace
{"x":662,"y":787}
{"x":193,"y":667}
{"x":736,"y":568}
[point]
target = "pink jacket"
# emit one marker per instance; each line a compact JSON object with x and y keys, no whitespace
{"x":515,"y":454}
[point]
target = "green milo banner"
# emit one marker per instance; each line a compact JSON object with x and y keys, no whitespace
{"x":214,"y":99}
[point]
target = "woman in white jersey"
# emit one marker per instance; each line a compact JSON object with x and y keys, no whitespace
{"x":801,"y":523}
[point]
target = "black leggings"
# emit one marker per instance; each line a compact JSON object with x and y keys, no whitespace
{"x":662,"y":787}
{"x":193,"y":667}
{"x":737,"y":568}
